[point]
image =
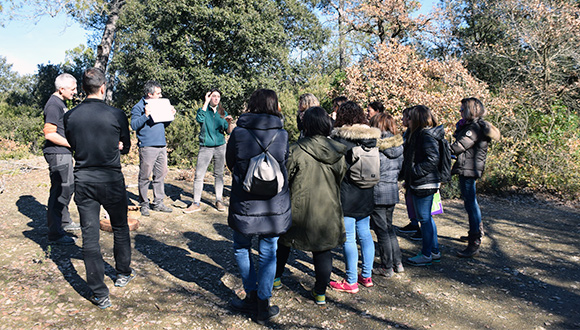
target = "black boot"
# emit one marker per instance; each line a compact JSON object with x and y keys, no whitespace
{"x":248,"y":306}
{"x":473,"y":243}
{"x":265,"y":311}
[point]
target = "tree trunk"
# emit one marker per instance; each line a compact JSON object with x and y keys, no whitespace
{"x":104,"y":49}
{"x":341,"y":51}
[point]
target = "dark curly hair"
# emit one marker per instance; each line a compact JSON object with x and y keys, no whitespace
{"x":349,"y":114}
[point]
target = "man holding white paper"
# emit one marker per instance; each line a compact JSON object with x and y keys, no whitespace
{"x":152,"y":145}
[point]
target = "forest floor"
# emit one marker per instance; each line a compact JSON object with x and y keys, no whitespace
{"x":527,"y":276}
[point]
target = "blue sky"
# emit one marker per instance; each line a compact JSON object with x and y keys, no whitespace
{"x":26,"y":44}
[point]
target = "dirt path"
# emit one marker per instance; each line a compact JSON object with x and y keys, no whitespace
{"x":527,"y":277}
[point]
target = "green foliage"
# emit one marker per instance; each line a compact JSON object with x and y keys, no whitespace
{"x":183,"y":136}
{"x":191,"y":47}
{"x":451,"y":189}
{"x":538,"y":151}
{"x":45,"y":77}
{"x":22,"y":125}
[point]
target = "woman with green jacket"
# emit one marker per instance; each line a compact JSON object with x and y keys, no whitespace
{"x":214,"y":123}
{"x":316,"y":166}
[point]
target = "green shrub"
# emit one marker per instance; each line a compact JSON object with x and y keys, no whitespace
{"x":183,"y":136}
{"x":23,"y":125}
{"x":538,"y":151}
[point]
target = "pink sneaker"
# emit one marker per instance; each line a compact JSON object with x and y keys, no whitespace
{"x":343,"y":286}
{"x":367,"y":282}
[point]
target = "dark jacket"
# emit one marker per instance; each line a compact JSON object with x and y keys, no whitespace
{"x":472,"y":139}
{"x":149,"y":133}
{"x":356,"y":202}
{"x":94,"y":130}
{"x":391,"y":148}
{"x":316,"y":167}
{"x":249,"y":213}
{"x":421,"y":157}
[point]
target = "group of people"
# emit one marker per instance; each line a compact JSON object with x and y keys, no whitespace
{"x":320,"y":204}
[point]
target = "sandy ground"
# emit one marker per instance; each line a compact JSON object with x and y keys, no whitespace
{"x":527,"y":277}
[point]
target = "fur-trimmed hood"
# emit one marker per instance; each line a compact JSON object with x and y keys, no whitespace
{"x":356,"y":132}
{"x":490,"y":131}
{"x":390,"y":142}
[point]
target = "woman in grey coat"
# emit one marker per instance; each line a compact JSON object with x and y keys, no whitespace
{"x":386,"y":195}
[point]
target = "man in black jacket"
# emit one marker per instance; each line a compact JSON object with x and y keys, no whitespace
{"x":96,"y":133}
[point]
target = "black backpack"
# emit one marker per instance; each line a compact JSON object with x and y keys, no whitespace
{"x":264,"y":176}
{"x":444,"y":160}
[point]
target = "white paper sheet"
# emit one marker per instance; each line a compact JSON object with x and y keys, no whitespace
{"x":160,"y":110}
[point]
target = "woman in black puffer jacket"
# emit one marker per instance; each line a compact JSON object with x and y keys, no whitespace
{"x":252,"y":214}
{"x":472,"y":135}
{"x":421,"y":174}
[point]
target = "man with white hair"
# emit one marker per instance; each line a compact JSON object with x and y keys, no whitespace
{"x":59,"y":158}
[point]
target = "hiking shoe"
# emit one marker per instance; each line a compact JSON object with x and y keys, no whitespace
{"x":382,"y":271}
{"x":220,"y":206}
{"x":343,"y":286}
{"x":410,"y":228}
{"x":398,"y":268}
{"x":319,"y":299}
{"x":367,"y":282}
{"x":63,"y":240}
{"x":420,"y":260}
{"x":436,"y":257}
{"x":123,"y":280}
{"x":144,"y":211}
{"x":102,"y":303}
{"x":162,"y":208}
{"x":73,"y":226}
{"x":417,"y":236}
{"x":194,"y":207}
{"x":248,"y":305}
{"x":277,"y":283}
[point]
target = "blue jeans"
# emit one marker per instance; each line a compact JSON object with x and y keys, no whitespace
{"x":428,"y":228}
{"x":263,"y":280}
{"x":358,"y":228}
{"x":467,"y":186}
{"x":204,"y":157}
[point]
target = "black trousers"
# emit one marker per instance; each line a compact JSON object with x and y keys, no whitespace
{"x":322,"y":261}
{"x":60,"y":167}
{"x":113,"y":197}
{"x":382,"y":224}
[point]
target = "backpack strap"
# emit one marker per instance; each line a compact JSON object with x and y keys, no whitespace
{"x":260,"y":143}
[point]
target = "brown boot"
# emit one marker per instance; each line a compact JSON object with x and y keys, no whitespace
{"x":472,"y":246}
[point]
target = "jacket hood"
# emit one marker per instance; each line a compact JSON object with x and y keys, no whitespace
{"x":322,"y":149}
{"x":259,"y":121}
{"x":388,"y":141}
{"x":490,"y":131}
{"x":438,"y":133}
{"x":356,"y":132}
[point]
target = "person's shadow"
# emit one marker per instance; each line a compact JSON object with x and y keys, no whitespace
{"x":180,"y":263}
{"x":61,"y":255}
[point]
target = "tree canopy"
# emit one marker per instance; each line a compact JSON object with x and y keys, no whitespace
{"x":192,"y":46}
